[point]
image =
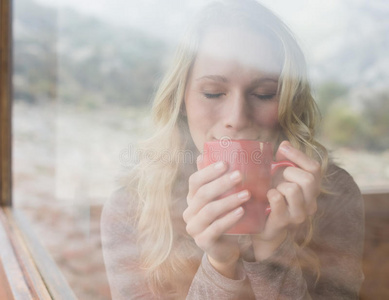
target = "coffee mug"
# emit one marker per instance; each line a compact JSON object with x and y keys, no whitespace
{"x":254,"y":160}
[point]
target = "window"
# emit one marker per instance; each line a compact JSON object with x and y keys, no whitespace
{"x":83,"y":78}
{"x":5,"y":105}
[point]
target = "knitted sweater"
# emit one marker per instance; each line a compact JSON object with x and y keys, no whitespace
{"x":337,"y":242}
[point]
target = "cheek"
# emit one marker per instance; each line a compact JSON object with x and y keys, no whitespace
{"x":199,"y":118}
{"x":268,"y":116}
{"x":198,"y":111}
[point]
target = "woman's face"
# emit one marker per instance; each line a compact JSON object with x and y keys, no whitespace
{"x":232,"y":88}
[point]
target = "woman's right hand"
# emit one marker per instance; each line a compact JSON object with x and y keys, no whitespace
{"x":208,"y":219}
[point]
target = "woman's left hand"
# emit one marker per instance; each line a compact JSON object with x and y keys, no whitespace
{"x":292,"y":200}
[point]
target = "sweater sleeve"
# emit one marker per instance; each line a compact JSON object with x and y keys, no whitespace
{"x":337,"y":247}
{"x":210,"y":284}
{"x":279,"y":276}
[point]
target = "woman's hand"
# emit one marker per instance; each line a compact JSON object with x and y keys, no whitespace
{"x":208,"y":219}
{"x":292,"y":200}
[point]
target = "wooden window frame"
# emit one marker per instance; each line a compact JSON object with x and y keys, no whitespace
{"x":5,"y":102}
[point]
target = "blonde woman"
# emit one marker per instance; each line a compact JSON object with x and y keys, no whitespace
{"x":239,"y":74}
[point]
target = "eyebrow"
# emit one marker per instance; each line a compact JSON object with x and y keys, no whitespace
{"x":214,"y":78}
{"x":255,"y":82}
{"x":261,"y":80}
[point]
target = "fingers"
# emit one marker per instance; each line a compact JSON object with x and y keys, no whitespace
{"x":309,"y":187}
{"x":207,"y":185}
{"x":299,"y":158}
{"x":213,"y":232}
{"x":292,"y":201}
{"x":289,"y":205}
{"x":307,"y":177}
{"x":208,"y":174}
{"x":285,"y":210}
{"x":279,"y":214}
{"x":296,"y":206}
{"x":208,"y":217}
{"x":204,"y":237}
{"x":215,"y":217}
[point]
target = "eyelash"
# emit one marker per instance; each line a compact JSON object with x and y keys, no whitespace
{"x":266,"y":97}
{"x":213,"y":96}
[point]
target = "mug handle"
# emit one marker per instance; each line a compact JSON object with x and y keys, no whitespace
{"x":275,"y":165}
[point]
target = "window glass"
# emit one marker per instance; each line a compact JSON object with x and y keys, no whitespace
{"x":84,"y":76}
{"x":82,"y":89}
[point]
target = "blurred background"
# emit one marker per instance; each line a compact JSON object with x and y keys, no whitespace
{"x":84,"y":76}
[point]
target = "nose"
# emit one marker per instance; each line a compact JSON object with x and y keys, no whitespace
{"x":237,"y":114}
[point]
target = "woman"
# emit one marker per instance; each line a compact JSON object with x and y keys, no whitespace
{"x":239,"y":74}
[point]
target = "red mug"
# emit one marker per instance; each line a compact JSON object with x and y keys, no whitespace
{"x":254,"y":160}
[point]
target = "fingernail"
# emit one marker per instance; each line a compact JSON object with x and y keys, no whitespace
{"x":285,"y":148}
{"x":243,"y":194}
{"x":267,"y":210}
{"x":238,"y":211}
{"x":235,"y":176}
{"x":219,"y":165}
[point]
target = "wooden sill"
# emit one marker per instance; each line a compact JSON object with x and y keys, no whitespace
{"x":29,"y":271}
{"x":5,"y":288}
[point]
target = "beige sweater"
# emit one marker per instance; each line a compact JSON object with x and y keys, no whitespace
{"x":337,"y":243}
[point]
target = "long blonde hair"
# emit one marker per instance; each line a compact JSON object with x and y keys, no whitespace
{"x":159,"y":180}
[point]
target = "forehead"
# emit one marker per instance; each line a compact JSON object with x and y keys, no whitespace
{"x":239,"y":47}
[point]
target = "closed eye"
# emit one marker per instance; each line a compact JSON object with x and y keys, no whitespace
{"x":265,"y":97}
{"x":212,"y":96}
